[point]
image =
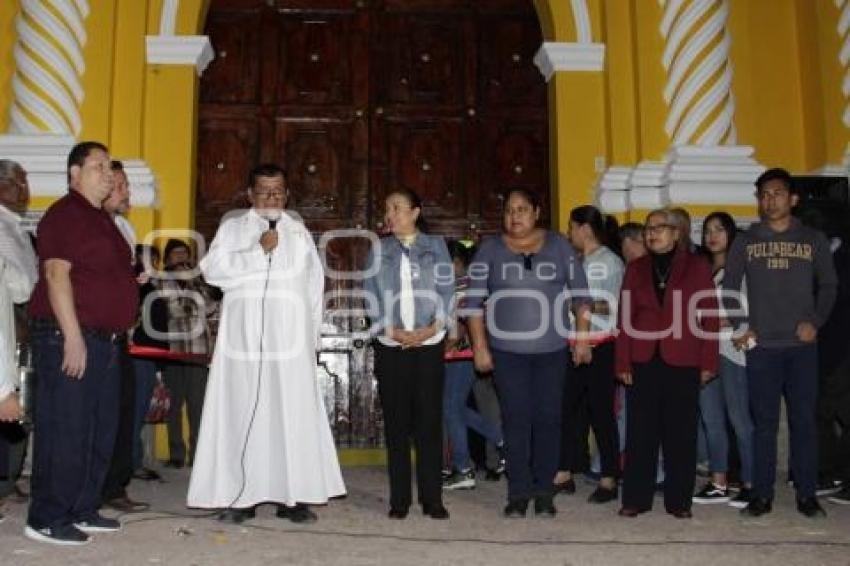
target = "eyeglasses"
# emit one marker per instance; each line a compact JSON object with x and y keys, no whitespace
{"x":656,"y":228}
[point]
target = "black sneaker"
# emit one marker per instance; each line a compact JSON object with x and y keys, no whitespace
{"x":464,"y":479}
{"x":603,"y":495}
{"x":98,"y":524}
{"x":842,"y":497}
{"x":711,"y":493}
{"x":236,"y":516}
{"x":828,"y":487}
{"x":742,"y":499}
{"x":810,"y":507}
{"x":757,"y":507}
{"x":67,"y":535}
{"x":299,"y":513}
{"x":544,"y":507}
{"x":516,"y":509}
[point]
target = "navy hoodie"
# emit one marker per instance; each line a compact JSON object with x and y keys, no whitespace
{"x":790,"y":279}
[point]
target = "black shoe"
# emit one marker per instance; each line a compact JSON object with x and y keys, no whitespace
{"x":299,"y":513}
{"x":544,"y":507}
{"x":711,"y":494}
{"x":127,"y":505}
{"x":516,"y":509}
{"x":98,"y":524}
{"x":828,"y":487}
{"x":757,"y":507}
{"x":492,"y":475}
{"x":742,"y":499}
{"x":435,"y":511}
{"x":460,"y":479}
{"x":174,"y":463}
{"x":236,"y":516}
{"x":67,"y":535}
{"x":631,"y":512}
{"x":568,"y":487}
{"x":400,"y":513}
{"x":603,"y":495}
{"x":146,"y":474}
{"x":810,"y":507}
{"x":681,"y":513}
{"x":842,"y":497}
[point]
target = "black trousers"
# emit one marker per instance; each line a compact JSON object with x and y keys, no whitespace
{"x":410,"y":386}
{"x":121,"y":467}
{"x":187,"y":383}
{"x":13,"y":451}
{"x":663,"y":404}
{"x":591,"y":389}
{"x":833,"y":421}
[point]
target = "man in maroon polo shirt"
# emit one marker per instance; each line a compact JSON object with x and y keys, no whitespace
{"x":86,"y":296}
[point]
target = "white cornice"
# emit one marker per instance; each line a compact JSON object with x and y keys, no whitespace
{"x":193,"y":50}
{"x":553,"y":57}
{"x":44,"y":158}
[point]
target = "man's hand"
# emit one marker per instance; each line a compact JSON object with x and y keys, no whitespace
{"x":625,"y":377}
{"x":483,"y":359}
{"x":705,"y":376}
{"x":269,"y":240}
{"x":74,"y":360}
{"x":742,"y":342}
{"x":807,"y":332}
{"x":10,"y":409}
{"x":582,"y":353}
{"x":143,"y":277}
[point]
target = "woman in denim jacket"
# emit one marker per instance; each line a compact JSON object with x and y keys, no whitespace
{"x":409,"y":288}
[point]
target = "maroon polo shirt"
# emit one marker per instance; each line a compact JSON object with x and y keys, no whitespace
{"x":103,"y":282}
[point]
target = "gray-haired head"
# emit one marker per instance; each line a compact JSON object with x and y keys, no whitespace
{"x":9,"y":170}
{"x":669,"y":215}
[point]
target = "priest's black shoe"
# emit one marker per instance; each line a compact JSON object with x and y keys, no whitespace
{"x":236,"y":516}
{"x":544,"y":507}
{"x":568,"y":487}
{"x":298,"y":513}
{"x":435,"y":511}
{"x":810,"y":507}
{"x":400,"y":513}
{"x":516,"y":508}
{"x":757,"y":507}
{"x":603,"y":495}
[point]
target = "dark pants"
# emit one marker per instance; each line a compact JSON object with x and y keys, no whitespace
{"x":410,"y":385}
{"x":13,"y":451}
{"x":121,"y":468}
{"x":663,"y":404}
{"x":591,"y":389}
{"x":833,"y":413}
{"x":187,"y":383}
{"x":75,"y":424}
{"x":145,"y":372}
{"x":531,"y":388}
{"x":793,"y":373}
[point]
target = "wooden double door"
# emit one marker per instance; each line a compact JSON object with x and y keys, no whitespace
{"x":357,"y":97}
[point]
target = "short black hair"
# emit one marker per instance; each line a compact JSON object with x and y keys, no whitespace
{"x":776,"y":174}
{"x":79,"y":152}
{"x":529,"y":196}
{"x":116,"y":165}
{"x":632,"y":231}
{"x":265,"y":170}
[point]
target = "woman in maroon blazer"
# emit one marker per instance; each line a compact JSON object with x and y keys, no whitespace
{"x":666,"y":347}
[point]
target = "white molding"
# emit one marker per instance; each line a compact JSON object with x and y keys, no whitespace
{"x":581,"y":16}
{"x":168,"y":17}
{"x":195,"y":50}
{"x":553,"y":57}
{"x":44,"y":157}
{"x":832,"y":170}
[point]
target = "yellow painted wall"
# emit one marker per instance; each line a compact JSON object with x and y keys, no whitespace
{"x":622,"y":85}
{"x":836,"y":134}
{"x":651,"y":108}
{"x":99,"y":54}
{"x":8,"y":11}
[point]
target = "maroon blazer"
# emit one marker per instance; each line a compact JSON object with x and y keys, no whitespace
{"x":640,"y":310}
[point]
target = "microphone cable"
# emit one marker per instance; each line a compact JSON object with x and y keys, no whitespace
{"x":272,"y":226}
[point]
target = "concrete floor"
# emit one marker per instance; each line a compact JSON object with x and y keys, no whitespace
{"x":355,"y":531}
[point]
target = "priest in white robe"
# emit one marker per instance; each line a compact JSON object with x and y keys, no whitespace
{"x":265,"y":436}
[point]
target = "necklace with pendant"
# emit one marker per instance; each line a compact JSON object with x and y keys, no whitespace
{"x":662,"y":278}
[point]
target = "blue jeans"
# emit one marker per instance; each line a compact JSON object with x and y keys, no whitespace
{"x":145,"y":381}
{"x":457,"y":416}
{"x":75,"y":426}
{"x":712,"y":409}
{"x":793,"y":373}
{"x":736,"y":394}
{"x":531,"y":389}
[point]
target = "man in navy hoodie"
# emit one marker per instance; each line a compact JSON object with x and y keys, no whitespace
{"x":792,"y":285}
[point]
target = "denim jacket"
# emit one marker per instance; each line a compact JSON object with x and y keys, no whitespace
{"x":433,"y":282}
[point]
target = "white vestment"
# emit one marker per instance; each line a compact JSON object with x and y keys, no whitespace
{"x":18,"y":274}
{"x":289,"y":454}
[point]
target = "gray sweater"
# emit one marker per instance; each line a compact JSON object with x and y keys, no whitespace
{"x":790,"y":279}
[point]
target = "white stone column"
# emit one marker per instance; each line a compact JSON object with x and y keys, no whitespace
{"x":48,"y":67}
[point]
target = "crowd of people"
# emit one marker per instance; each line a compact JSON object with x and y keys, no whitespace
{"x":672,"y":355}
